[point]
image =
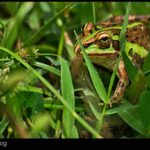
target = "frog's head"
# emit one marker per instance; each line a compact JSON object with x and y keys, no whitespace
{"x":100,"y":44}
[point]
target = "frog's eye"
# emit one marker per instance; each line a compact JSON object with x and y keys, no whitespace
{"x":103,"y":40}
{"x":87,"y":28}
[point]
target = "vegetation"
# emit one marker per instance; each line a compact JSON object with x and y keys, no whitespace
{"x":43,"y":93}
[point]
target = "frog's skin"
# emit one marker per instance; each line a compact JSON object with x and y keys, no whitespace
{"x":101,"y":43}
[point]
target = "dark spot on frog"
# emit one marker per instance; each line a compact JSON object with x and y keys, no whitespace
{"x":135,"y":29}
{"x":137,"y":60}
{"x":114,"y":98}
{"x":117,"y":94}
{"x":131,"y":52}
{"x":137,"y":18}
{"x":121,"y":84}
{"x":86,"y":45}
{"x":115,"y":45}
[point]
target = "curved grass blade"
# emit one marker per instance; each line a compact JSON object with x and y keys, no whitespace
{"x":100,"y":89}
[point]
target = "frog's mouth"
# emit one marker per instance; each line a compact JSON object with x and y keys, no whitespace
{"x":103,"y":54}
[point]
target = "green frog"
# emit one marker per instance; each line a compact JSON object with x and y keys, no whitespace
{"x":101,"y":43}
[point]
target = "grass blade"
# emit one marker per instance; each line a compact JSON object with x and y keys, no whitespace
{"x":146,"y":65}
{"x":129,"y":116}
{"x":144,"y":111}
{"x":15,"y":23}
{"x":61,"y":43}
{"x":122,"y":37}
{"x":137,"y":86}
{"x":36,"y":36}
{"x":100,"y":89}
{"x":131,"y":70}
{"x":94,"y":16}
{"x":68,"y":95}
{"x":47,"y":67}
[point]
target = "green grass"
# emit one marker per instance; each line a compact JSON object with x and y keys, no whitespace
{"x":46,"y":92}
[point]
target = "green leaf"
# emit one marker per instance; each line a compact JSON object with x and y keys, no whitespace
{"x":148,"y":81}
{"x":15,"y":23}
{"x":3,"y":124}
{"x":47,"y":67}
{"x":37,"y":35}
{"x":32,"y":103}
{"x":131,"y":70}
{"x":74,"y":132}
{"x":130,"y":116}
{"x":41,"y":122}
{"x":136,"y":87}
{"x":122,"y":37}
{"x":68,"y":95}
{"x":124,"y":106}
{"x":94,"y":11}
{"x":100,"y":89}
{"x":38,"y":134}
{"x":144,"y":110}
{"x":61,"y":43}
{"x":146,"y":65}
{"x":13,"y":106}
{"x":93,"y":103}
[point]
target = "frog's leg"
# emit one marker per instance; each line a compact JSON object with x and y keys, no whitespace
{"x":122,"y":84}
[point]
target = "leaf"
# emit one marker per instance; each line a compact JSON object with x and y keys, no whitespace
{"x":13,"y":106}
{"x":144,"y":110}
{"x":15,"y":23}
{"x":41,"y":122}
{"x":3,"y":124}
{"x":32,"y":103}
{"x":38,"y":134}
{"x":74,"y":132}
{"x":122,"y":37}
{"x":136,"y":87}
{"x":148,"y":81}
{"x":37,"y":35}
{"x":68,"y":95}
{"x":130,"y":116}
{"x":124,"y":106}
{"x":146,"y":65}
{"x":131,"y":70}
{"x":47,"y":67}
{"x":100,"y":89}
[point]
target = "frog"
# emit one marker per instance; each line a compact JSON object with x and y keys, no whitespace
{"x":101,"y":43}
